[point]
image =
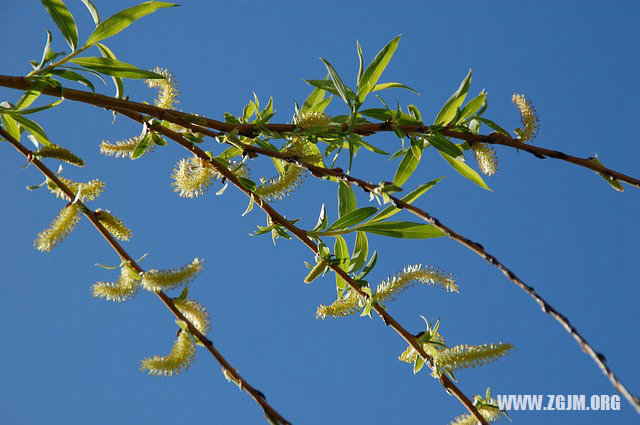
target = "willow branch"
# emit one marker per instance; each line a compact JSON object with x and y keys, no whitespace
{"x":301,"y":235}
{"x":166,"y":300}
{"x":251,"y":130}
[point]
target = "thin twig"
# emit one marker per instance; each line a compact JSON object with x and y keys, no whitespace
{"x":168,"y":301}
{"x":445,"y":381}
{"x":251,"y":130}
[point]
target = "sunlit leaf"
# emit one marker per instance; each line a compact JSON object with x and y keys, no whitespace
{"x":450,"y":108}
{"x":352,"y":218}
{"x":409,"y":198}
{"x":402,"y":229}
{"x":346,"y":199}
{"x":115,"y":68}
{"x":374,"y":70}
{"x":408,"y":165}
{"x":123,"y":19}
{"x":64,"y":20}
{"x":466,"y":171}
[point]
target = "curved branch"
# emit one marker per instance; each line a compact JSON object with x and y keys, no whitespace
{"x":449,"y":386}
{"x":166,"y":300}
{"x":251,"y":130}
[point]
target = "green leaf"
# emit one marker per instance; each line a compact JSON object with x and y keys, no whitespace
{"x":341,"y":252}
{"x":64,"y":20}
{"x":141,"y":147}
{"x":94,"y":12}
{"x":42,"y":108}
{"x":418,"y":364}
{"x":450,"y":108}
{"x":360,"y":63}
{"x":391,"y":85}
{"x":408,"y":164}
{"x":360,"y":251}
{"x":374,"y":70}
{"x":402,"y":229}
{"x":346,"y":199}
{"x":352,"y":218}
{"x":493,"y":125}
{"x":316,"y":96}
{"x":337,"y":82}
{"x":370,"y":265}
{"x":378,"y":113}
{"x":31,"y":94}
{"x":322,"y":220}
{"x":473,"y":106}
{"x":466,"y":171}
{"x":443,"y":144}
{"x":330,"y":87}
{"x":11,"y":126}
{"x":123,"y":19}
{"x":74,"y":76}
{"x":157,"y":139}
{"x":115,"y":68}
{"x":33,"y":128}
{"x":46,"y":52}
{"x":409,"y":198}
{"x":107,"y":53}
{"x":247,"y":184}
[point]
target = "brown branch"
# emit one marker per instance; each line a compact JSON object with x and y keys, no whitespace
{"x":251,"y":130}
{"x":445,"y":381}
{"x":168,"y":301}
{"x":338,"y":173}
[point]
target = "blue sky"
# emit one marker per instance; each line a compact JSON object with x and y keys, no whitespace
{"x":69,"y":358}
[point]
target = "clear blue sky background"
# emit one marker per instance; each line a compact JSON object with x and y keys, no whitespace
{"x":68,"y":358}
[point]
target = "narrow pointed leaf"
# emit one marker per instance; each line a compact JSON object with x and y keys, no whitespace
{"x":74,"y":76}
{"x":449,"y":109}
{"x":337,"y":82}
{"x":123,"y":19}
{"x":31,"y":94}
{"x":93,"y":11}
{"x":11,"y":126}
{"x":402,"y":229}
{"x":473,"y":106}
{"x":466,"y":171}
{"x":444,"y":145}
{"x":391,"y":85}
{"x":316,"y":96}
{"x":408,"y":165}
{"x":341,"y":252}
{"x":33,"y":128}
{"x":409,"y":198}
{"x":64,"y":20}
{"x":374,"y":70}
{"x":360,"y":62}
{"x":360,"y":251}
{"x":115,"y":68}
{"x":346,"y":199}
{"x":107,"y":53}
{"x":352,"y":218}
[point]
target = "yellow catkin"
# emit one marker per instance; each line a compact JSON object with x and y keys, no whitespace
{"x":60,"y":227}
{"x":88,"y":191}
{"x":409,"y":276}
{"x":313,"y":119}
{"x":486,"y":157}
{"x":316,"y":271}
{"x":123,"y":148}
{"x":59,"y":153}
{"x":465,"y":356}
{"x":125,"y":288}
{"x":489,"y":413}
{"x":179,"y":359}
{"x":195,"y":313}
{"x":113,"y":225}
{"x":168,"y":91}
{"x":340,"y":308}
{"x":528,"y":117}
{"x":192,"y":177}
{"x":161,"y":280}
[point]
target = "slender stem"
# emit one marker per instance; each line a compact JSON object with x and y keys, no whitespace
{"x":168,"y":301}
{"x":445,"y":381}
{"x":251,"y":130}
{"x":58,"y":63}
{"x":477,"y":248}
